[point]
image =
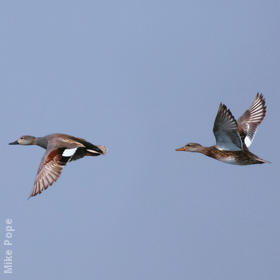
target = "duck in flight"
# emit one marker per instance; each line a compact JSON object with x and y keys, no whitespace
{"x":233,"y":138}
{"x":60,"y":149}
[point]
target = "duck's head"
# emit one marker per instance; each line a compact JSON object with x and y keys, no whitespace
{"x":24,"y":140}
{"x":191,"y":147}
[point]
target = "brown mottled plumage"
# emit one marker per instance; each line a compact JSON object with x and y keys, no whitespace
{"x":234,"y":137}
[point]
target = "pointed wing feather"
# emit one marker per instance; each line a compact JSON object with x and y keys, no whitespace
{"x":250,"y":120}
{"x":225,"y":130}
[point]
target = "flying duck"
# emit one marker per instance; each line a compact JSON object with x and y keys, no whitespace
{"x":233,"y":138}
{"x":60,"y":149}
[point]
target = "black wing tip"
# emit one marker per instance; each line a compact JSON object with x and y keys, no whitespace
{"x":222,"y":108}
{"x":32,"y":195}
{"x":225,"y":111}
{"x":261,"y":98}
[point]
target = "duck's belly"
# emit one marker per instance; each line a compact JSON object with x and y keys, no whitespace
{"x":229,"y":160}
{"x":233,"y":157}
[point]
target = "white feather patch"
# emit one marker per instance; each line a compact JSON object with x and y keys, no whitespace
{"x":248,"y":141}
{"x":69,"y":152}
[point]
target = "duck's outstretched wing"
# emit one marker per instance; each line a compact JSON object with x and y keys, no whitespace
{"x":250,"y":120}
{"x":50,"y":169}
{"x":226,"y":130}
{"x":54,"y":161}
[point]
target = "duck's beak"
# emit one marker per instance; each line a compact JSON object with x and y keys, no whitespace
{"x":14,"y":143}
{"x":181,"y":149}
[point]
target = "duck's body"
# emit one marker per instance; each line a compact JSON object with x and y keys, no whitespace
{"x":244,"y":157}
{"x":60,"y":149}
{"x":234,"y":137}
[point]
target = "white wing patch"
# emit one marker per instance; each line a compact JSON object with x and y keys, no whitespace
{"x":69,"y":152}
{"x":251,"y":119}
{"x":248,"y":141}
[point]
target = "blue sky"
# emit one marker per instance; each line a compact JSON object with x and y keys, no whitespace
{"x":142,"y":78}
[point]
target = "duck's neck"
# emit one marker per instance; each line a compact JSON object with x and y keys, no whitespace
{"x":42,"y":142}
{"x":205,"y":150}
{"x":200,"y":149}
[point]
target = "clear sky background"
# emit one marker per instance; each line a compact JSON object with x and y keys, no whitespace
{"x":142,"y":78}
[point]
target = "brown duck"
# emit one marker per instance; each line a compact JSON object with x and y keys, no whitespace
{"x":60,"y":149}
{"x":234,"y":137}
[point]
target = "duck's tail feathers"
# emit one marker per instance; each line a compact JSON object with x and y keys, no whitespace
{"x":101,"y":150}
{"x":264,"y":161}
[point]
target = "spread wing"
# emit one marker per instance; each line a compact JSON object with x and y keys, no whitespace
{"x":250,"y":120}
{"x":226,"y":131}
{"x":54,"y":161}
{"x":49,"y":170}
